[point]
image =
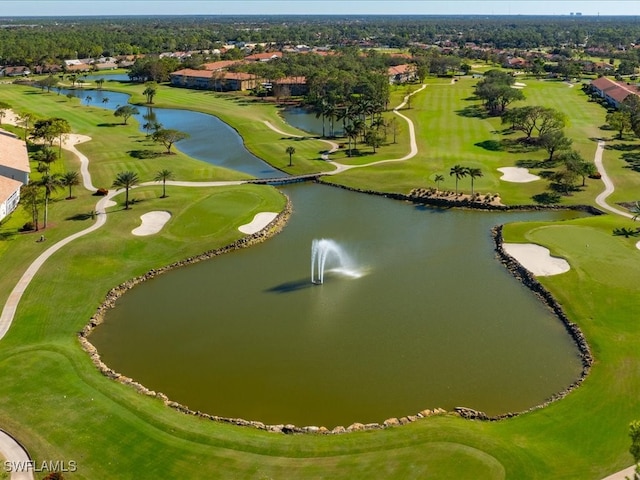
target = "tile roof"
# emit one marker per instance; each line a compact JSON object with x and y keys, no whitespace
{"x":13,"y":152}
{"x":190,"y":72}
{"x":616,"y":90}
{"x":8,"y":187}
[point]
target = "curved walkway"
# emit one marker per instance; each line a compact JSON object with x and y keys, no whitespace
{"x":341,"y":167}
{"x":17,"y":460}
{"x":601,"y":200}
{"x":609,"y":188}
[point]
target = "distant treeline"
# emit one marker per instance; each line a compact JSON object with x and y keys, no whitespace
{"x":42,"y":40}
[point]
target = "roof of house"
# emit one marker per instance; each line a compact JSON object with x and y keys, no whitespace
{"x":222,"y":64}
{"x":82,"y":67}
{"x":616,"y":90}
{"x":190,"y":72}
{"x":263,"y":57}
{"x":13,"y":152}
{"x":403,"y":69}
{"x":106,"y":65}
{"x":8,"y":187}
{"x":19,"y":70}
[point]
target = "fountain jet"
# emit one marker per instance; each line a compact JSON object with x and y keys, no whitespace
{"x":326,"y":253}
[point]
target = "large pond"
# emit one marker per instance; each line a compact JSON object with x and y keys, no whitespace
{"x":425,"y":318}
{"x":422,"y":315}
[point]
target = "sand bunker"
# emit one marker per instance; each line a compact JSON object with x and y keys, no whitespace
{"x":152,"y":222}
{"x":517,"y":175}
{"x":260,"y":221}
{"x":537,"y":259}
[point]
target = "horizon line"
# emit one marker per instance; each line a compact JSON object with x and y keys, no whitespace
{"x":570,"y":15}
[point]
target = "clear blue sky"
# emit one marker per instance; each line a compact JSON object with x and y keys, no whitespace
{"x":247,"y":7}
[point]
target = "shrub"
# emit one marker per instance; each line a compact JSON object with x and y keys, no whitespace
{"x":28,"y":227}
{"x":101,"y":192}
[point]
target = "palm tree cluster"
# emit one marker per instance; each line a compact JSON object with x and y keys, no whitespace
{"x":361,"y":119}
{"x":130,"y":179}
{"x":460,"y":172}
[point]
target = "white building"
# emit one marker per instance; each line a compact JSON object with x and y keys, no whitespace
{"x":14,"y":171}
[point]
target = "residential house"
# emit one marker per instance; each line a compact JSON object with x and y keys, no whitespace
{"x":191,"y":78}
{"x":9,"y":196}
{"x":214,"y":80}
{"x":17,"y":71}
{"x":14,"y":171}
{"x":263,"y":57}
{"x":239,"y":81}
{"x":402,"y":73}
{"x":613,"y":92}
{"x":290,"y":87}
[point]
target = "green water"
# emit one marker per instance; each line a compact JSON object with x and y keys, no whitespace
{"x":434,"y":320}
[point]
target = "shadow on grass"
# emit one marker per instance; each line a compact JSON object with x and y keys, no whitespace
{"x":520,"y":145}
{"x":623,"y":147}
{"x":108,"y":124}
{"x":547,"y":198}
{"x":473,"y":111}
{"x":7,"y":235}
{"x":537,"y":163}
{"x":491,"y":145}
{"x":633,"y":161}
{"x":80,"y":217}
{"x":144,"y":154}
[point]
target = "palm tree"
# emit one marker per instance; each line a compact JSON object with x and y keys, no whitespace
{"x":330,"y":112}
{"x":50,"y":184}
{"x":290,"y":150}
{"x":438,"y":178}
{"x":320,"y":109}
{"x":69,"y":179}
{"x":26,"y":119}
{"x":126,"y":180}
{"x":459,"y":171}
{"x":352,"y":133}
{"x":163,"y":176}
{"x":474,"y":173}
{"x":45,"y":157}
{"x":100,"y":82}
{"x":636,"y":211}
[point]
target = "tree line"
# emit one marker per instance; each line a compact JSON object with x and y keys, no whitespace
{"x":29,"y":41}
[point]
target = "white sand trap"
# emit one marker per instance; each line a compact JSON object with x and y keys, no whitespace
{"x":638,"y":245}
{"x":537,"y":259}
{"x":517,"y":175}
{"x":152,"y":222}
{"x":260,"y":221}
{"x":520,"y":84}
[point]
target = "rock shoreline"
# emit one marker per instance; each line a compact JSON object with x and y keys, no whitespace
{"x":275,"y":227}
{"x":416,"y":196}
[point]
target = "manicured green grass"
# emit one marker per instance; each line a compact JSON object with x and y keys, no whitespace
{"x":56,"y":402}
{"x":453,"y":129}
